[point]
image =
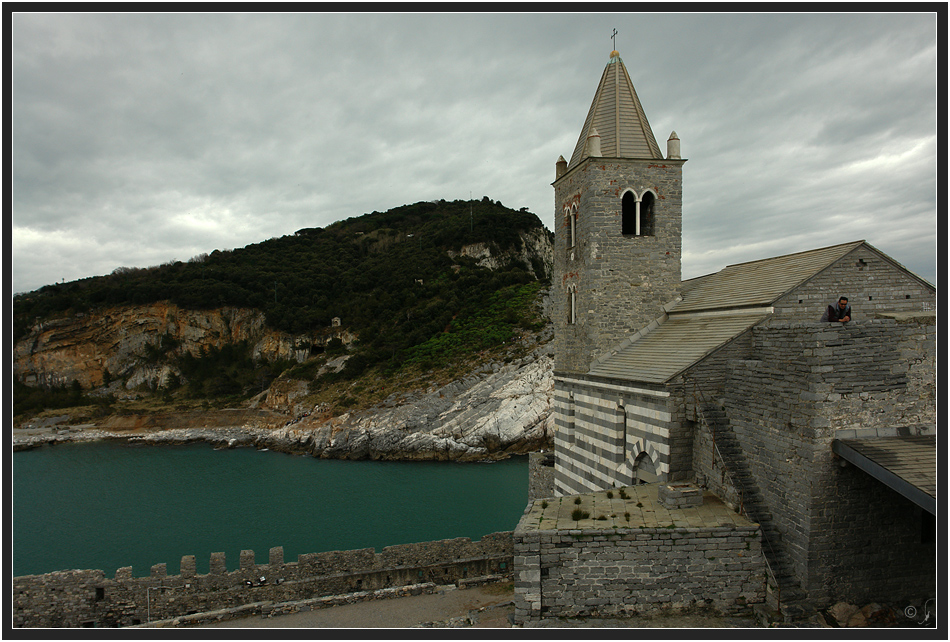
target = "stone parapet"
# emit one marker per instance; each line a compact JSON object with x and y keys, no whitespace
{"x":90,"y":599}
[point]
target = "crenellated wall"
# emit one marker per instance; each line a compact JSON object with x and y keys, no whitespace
{"x":81,"y":598}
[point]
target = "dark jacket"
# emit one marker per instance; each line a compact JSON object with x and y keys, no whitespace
{"x":833,"y":313}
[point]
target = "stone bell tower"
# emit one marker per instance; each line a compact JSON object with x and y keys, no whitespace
{"x":618,"y":226}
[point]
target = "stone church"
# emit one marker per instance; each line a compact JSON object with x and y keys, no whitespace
{"x":821,"y":433}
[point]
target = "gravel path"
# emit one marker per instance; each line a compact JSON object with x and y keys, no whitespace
{"x":484,"y":606}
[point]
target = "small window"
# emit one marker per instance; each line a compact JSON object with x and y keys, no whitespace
{"x":569,"y":429}
{"x":622,"y":431}
{"x":628,"y":223}
{"x":646,"y":214}
{"x":570,"y":229}
{"x":573,"y":215}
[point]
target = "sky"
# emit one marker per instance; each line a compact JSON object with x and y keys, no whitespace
{"x":140,"y":139}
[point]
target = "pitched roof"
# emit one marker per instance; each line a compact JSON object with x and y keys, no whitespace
{"x":618,"y":117}
{"x":673,"y":346}
{"x":715,"y":309}
{"x":758,"y":283}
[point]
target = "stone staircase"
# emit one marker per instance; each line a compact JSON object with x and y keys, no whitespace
{"x":785,"y":599}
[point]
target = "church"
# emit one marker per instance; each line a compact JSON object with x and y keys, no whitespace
{"x":823,"y":434}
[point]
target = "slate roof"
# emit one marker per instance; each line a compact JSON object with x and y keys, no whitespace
{"x":674,"y":346}
{"x":908,"y":465}
{"x":715,"y":309}
{"x":619,"y":118}
{"x":758,"y":283}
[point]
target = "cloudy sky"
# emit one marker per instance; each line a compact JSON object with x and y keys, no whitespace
{"x":141,"y":139}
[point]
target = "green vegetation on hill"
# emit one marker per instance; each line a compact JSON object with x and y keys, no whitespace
{"x":388,"y":276}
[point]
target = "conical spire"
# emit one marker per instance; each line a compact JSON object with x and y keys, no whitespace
{"x":616,"y":114}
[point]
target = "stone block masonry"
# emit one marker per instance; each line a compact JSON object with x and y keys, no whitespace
{"x":540,"y":475}
{"x":88,"y":598}
{"x":846,"y":536}
{"x":679,"y":495}
{"x":629,"y":554}
{"x":620,"y":281}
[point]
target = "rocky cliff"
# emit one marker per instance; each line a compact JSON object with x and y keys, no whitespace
{"x":502,"y":407}
{"x":115,"y":342}
{"x":497,"y":411}
{"x":500,"y":410}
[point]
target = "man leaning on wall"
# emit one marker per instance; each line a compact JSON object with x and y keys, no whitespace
{"x":840,"y":313}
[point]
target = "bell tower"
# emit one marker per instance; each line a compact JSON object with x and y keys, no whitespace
{"x":618,"y":226}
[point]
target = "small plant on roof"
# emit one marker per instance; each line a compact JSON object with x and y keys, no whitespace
{"x":579,"y":514}
{"x":610,"y":494}
{"x":577,"y":500}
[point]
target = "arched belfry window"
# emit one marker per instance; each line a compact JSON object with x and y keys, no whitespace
{"x":647,"y":202}
{"x":628,"y":222}
{"x":637,"y":213}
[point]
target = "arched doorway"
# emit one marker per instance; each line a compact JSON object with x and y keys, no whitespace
{"x":644,"y":470}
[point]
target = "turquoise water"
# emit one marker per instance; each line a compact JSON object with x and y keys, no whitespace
{"x":106,"y":505}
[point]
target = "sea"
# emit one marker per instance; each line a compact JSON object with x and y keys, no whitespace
{"x":109,"y":504}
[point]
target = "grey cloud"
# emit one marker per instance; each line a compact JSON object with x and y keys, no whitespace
{"x":140,"y":138}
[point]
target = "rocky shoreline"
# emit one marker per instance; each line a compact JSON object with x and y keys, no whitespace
{"x":488,"y":416}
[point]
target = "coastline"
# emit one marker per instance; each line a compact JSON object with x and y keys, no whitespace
{"x":272,"y":431}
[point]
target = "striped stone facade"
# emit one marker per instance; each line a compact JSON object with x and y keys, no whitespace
{"x":605,"y":429}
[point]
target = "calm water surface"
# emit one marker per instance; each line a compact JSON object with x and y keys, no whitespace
{"x":106,"y":505}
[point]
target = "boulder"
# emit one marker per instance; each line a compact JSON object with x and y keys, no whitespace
{"x":842,"y":612}
{"x":857,"y":620}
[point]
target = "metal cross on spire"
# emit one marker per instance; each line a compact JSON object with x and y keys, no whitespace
{"x":613,"y":37}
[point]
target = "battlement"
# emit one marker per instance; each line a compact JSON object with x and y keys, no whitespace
{"x":88,"y":598}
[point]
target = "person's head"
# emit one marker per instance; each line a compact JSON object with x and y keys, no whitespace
{"x":843,"y":302}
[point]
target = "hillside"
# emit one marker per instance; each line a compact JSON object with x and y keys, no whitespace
{"x":341,"y":318}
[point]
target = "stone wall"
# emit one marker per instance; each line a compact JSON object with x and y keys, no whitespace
{"x":540,"y":475}
{"x":807,"y":384}
{"x":89,"y":598}
{"x":872,"y":283}
{"x":596,"y":572}
{"x":621,"y":281}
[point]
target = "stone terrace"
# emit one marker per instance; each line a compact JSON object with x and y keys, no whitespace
{"x":642,"y":504}
{"x":631,"y":554}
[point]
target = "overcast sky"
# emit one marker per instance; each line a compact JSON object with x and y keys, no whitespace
{"x":142,"y":139}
